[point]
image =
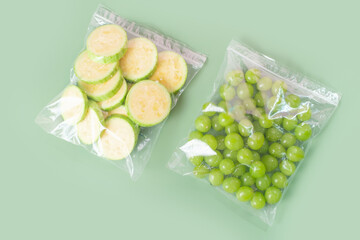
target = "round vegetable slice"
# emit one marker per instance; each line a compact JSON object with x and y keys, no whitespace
{"x":148,"y":103}
{"x":103,"y":91}
{"x":139,"y":62}
{"x":119,"y":138}
{"x":171,"y":71}
{"x":93,"y":72}
{"x":90,"y":128}
{"x":73,"y":104}
{"x":107,"y":43}
{"x":115,"y":100}
{"x":119,"y":110}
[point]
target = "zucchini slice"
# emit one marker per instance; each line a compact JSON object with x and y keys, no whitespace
{"x":139,"y":62}
{"x":103,"y":91}
{"x":73,"y":104}
{"x":107,"y":43}
{"x":119,"y":110}
{"x":119,"y":138}
{"x":93,"y":72}
{"x":171,"y":71}
{"x":90,"y":128}
{"x":115,"y":100}
{"x":148,"y":103}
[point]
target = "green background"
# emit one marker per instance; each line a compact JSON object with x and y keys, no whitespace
{"x":50,"y":189}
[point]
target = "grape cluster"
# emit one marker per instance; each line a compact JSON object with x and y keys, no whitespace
{"x":256,"y":135}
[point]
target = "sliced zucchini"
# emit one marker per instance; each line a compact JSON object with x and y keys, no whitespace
{"x":139,"y":62}
{"x":148,"y":103}
{"x":103,"y":91}
{"x":171,"y":71}
{"x":115,"y":100}
{"x":73,"y":104}
{"x":93,"y":72}
{"x":119,"y":110}
{"x":90,"y":128}
{"x":119,"y":138}
{"x":107,"y":43}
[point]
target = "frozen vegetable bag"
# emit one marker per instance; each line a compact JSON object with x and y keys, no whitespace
{"x":255,"y":131}
{"x":122,"y":87}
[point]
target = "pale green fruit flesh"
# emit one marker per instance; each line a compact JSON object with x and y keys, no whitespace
{"x":140,"y":59}
{"x":107,"y":43}
{"x":171,"y":71}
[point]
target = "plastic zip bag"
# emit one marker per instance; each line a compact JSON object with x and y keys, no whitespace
{"x":259,"y":114}
{"x":52,"y":121}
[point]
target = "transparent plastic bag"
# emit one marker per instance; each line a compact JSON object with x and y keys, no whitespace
{"x":200,"y":151}
{"x":51,"y":120}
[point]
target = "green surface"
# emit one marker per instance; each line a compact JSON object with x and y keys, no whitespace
{"x":51,"y":189}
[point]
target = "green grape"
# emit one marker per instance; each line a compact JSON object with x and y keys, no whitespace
{"x":305,"y":116}
{"x":258,"y":127}
{"x":235,"y":77}
{"x":239,"y":170}
{"x":244,"y":194}
{"x":207,"y":107}
{"x":245,"y":156}
{"x":227,"y":92}
{"x":264,"y":84}
{"x":270,"y":162}
{"x":214,"y":160}
{"x":257,"y":169}
{"x":210,"y":140}
{"x":247,"y":179}
{"x":225,"y":119}
{"x":231,"y":184}
{"x":245,"y":90}
{"x":278,"y":121}
{"x":262,"y":183}
{"x":216,"y":177}
{"x":232,"y":154}
{"x":258,"y":200}
{"x":220,"y":142}
{"x":200,"y":171}
{"x":256,"y":140}
{"x":295,"y":153}
{"x":239,"y":111}
{"x":223,"y":105}
{"x":233,"y":141}
{"x":287,"y":167}
{"x":264,"y":148}
{"x":272,"y":102}
{"x":249,"y":104}
{"x":277,"y":150}
{"x":215,"y":124}
{"x":272,"y":195}
{"x":252,"y":75}
{"x":203,"y":123}
{"x":293,"y":100}
{"x":279,"y":180}
{"x":277,"y":85}
{"x":273,"y":134}
{"x":288,"y":140}
{"x":195,"y":135}
{"x":232,"y":128}
{"x":256,"y":156}
{"x":245,"y":127}
{"x":249,"y":116}
{"x":197,"y":160}
{"x":257,"y":113}
{"x":227,"y":166}
{"x":259,"y":99}
{"x":303,"y":132}
{"x":265,"y":122}
{"x":289,"y":124}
